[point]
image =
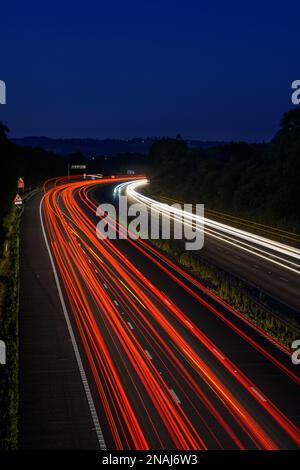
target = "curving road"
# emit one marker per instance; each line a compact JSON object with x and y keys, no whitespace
{"x":271,"y":265}
{"x":168,"y":365}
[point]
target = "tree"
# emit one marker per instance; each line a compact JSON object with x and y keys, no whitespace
{"x":4,"y":130}
{"x":256,"y":181}
{"x":291,"y":121}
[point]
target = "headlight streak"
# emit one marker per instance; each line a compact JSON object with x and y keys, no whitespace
{"x":250,"y":224}
{"x":77,"y":265}
{"x":246,"y":241}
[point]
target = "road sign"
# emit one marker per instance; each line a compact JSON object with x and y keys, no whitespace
{"x":18,"y":201}
{"x":20,"y":183}
{"x":78,"y":167}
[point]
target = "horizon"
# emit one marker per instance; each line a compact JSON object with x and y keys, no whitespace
{"x":147,"y":138}
{"x":139,"y":138}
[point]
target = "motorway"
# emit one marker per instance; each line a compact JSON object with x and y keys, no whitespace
{"x":270,"y":265}
{"x":168,"y":365}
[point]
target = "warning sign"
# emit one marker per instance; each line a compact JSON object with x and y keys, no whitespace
{"x":18,"y":201}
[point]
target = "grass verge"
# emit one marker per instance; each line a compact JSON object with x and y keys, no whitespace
{"x":248,"y":301}
{"x":9,"y":310}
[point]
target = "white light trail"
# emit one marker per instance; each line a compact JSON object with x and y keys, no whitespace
{"x":275,"y":252}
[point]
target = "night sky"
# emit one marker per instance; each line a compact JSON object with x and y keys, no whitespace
{"x":207,"y":70}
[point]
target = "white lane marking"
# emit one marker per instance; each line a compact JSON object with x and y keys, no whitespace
{"x":116,"y":303}
{"x":219,"y":354}
{"x":105,"y":285}
{"x":175,"y":396}
{"x":284,"y":279}
{"x":130,"y":325}
{"x":148,"y":354}
{"x":83,"y":376}
{"x":258,"y":394}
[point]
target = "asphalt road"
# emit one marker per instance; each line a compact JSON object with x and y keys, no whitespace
{"x":273,"y":280}
{"x":169,"y":367}
{"x":53,"y":410}
{"x":265,"y":273}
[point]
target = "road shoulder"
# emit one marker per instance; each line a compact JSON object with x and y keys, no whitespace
{"x":54,"y":412}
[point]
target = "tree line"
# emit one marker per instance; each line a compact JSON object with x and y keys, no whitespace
{"x":33,"y":164}
{"x":255,"y":181}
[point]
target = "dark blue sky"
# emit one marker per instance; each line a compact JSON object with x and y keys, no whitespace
{"x":208,"y":70}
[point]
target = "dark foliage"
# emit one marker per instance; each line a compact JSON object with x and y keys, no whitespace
{"x":35,"y":165}
{"x":256,"y":181}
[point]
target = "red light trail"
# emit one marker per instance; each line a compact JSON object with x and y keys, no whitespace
{"x":159,"y":381}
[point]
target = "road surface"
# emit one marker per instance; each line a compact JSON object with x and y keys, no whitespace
{"x":53,"y":410}
{"x":168,"y":365}
{"x":270,"y":265}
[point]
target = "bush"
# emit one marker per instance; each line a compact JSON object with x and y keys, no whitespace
{"x":9,"y":281}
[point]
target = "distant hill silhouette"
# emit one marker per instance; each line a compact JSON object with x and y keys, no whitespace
{"x":96,"y":147}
